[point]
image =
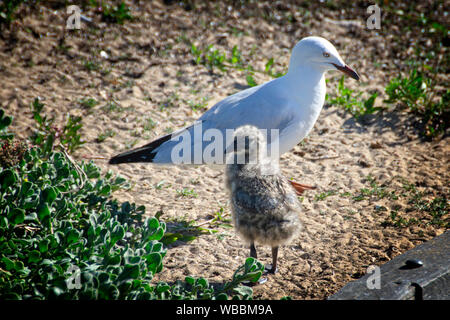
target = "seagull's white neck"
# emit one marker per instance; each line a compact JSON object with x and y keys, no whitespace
{"x":306,"y":86}
{"x":306,"y":75}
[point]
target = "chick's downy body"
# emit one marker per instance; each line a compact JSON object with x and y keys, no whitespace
{"x":264,"y":204}
{"x":265,"y":207}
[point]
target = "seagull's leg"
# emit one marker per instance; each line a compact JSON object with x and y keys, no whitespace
{"x":253,"y":250}
{"x":299,"y":188}
{"x":273,"y":269}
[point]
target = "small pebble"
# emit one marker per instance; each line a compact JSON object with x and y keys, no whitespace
{"x":376,"y":145}
{"x":104,"y":55}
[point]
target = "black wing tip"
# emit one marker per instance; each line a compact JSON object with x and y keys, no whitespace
{"x":133,"y":156}
{"x":142,"y":154}
{"x":115,"y":160}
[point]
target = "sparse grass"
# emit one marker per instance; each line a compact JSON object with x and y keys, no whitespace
{"x":213,"y":58}
{"x":186,"y":230}
{"x":129,"y":84}
{"x":375,"y":192}
{"x":415,"y":93}
{"x":438,"y":208}
{"x":149,"y":124}
{"x":7,"y":11}
{"x":220,"y":219}
{"x":185,"y":192}
{"x":420,"y":208}
{"x":181,"y":229}
{"x":323,"y":195}
{"x":194,"y":181}
{"x":268,"y":68}
{"x":161,"y":184}
{"x":112,"y":106}
{"x":250,"y":80}
{"x":115,"y":14}
{"x":108,"y":133}
{"x":170,"y":102}
{"x":198,"y":105}
{"x":396,"y":220}
{"x":426,"y":210}
{"x":70,"y":136}
{"x":88,"y":103}
{"x":131,"y":144}
{"x":435,"y":210}
{"x":353,"y":102}
{"x":92,"y":65}
{"x":48,"y":135}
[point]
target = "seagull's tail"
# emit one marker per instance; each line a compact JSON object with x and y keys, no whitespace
{"x":143,"y":154}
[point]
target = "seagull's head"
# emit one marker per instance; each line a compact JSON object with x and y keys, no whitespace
{"x":320,"y":54}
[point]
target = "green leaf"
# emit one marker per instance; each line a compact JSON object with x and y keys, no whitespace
{"x":244,"y":291}
{"x":114,"y":260}
{"x":110,"y":292}
{"x":156,"y":235}
{"x":43,"y":212}
{"x":34,"y":256}
{"x":19,"y":266}
{"x":120,"y":180}
{"x":162,"y":287}
{"x":154,"y":261}
{"x":11,"y":295}
{"x":170,"y":237}
{"x":26,"y":189}
{"x":130,"y":271}
{"x":269,"y":65}
{"x":16,"y":216}
{"x":43,"y":245}
{"x":117,"y":234}
{"x":49,"y":195}
{"x":368,"y":104}
{"x":202,"y":282}
{"x":189,"y":280}
{"x":7,"y":178}
{"x":44,"y":215}
{"x":105,"y":191}
{"x":48,"y":145}
{"x":250,"y":81}
{"x":222,"y":296}
{"x":4,"y":222}
{"x":153,"y":223}
{"x":9,"y":264}
{"x":73,"y":236}
{"x":249,"y":263}
{"x":4,"y":121}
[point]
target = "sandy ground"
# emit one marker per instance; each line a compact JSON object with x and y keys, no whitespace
{"x":149,"y":74}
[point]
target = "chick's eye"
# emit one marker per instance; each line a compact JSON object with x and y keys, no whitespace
{"x":326,"y":54}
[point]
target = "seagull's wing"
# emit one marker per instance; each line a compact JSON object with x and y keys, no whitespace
{"x":263,"y":106}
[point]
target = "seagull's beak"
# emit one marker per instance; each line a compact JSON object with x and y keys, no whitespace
{"x":347,"y":70}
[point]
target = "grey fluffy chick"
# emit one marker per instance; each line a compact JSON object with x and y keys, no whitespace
{"x":264,"y":204}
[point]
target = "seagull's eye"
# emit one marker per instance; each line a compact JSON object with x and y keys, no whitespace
{"x":326,"y":54}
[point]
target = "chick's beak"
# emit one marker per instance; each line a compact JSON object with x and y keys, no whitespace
{"x":347,"y":70}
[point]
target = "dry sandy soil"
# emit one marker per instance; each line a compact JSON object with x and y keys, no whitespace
{"x":149,"y":74}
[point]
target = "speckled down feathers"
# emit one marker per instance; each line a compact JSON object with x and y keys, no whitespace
{"x":265,"y":207}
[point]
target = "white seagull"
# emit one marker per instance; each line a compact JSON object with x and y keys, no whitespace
{"x":291,"y":104}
